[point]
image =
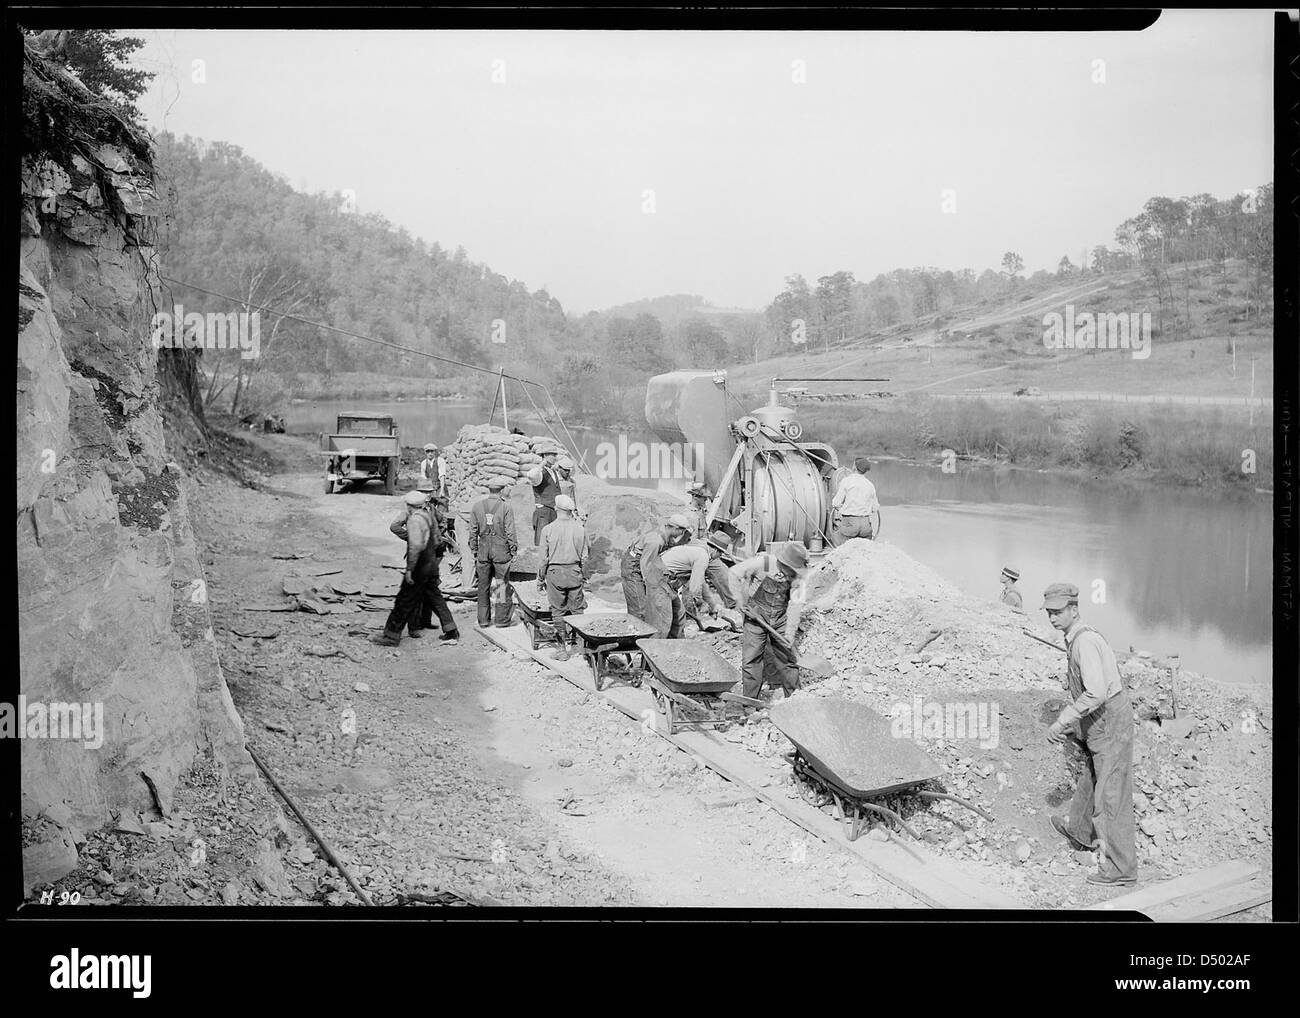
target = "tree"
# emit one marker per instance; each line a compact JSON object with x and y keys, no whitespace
{"x":99,"y":59}
{"x":834,"y":300}
{"x":1064,"y":267}
{"x":1012,"y":264}
{"x":702,"y":344}
{"x":637,"y":344}
{"x":793,"y":304}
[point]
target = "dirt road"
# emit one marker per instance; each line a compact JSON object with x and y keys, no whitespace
{"x":469,"y":768}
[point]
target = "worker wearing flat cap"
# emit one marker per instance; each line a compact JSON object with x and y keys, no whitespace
{"x":762,"y":588}
{"x":560,"y":570}
{"x":423,"y":558}
{"x":1010,"y":595}
{"x":568,"y":486}
{"x":433,"y":468}
{"x":645,"y":583}
{"x":1101,"y":813}
{"x":431,"y":599}
{"x":493,"y":543}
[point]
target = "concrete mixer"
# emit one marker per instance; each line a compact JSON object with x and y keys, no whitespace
{"x":768,"y":486}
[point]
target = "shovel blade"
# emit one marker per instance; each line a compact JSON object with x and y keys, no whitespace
{"x":816,"y":664}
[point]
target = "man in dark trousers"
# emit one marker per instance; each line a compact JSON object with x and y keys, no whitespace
{"x":761,"y":586}
{"x":1101,"y":813}
{"x":546,"y":485}
{"x":493,"y":543}
{"x":645,"y":584}
{"x":560,"y":571}
{"x":423,"y":558}
{"x":432,"y":602}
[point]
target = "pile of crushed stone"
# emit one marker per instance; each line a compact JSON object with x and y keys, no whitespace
{"x":885,"y":620}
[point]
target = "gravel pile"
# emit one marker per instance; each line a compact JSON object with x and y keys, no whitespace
{"x":884,"y":619}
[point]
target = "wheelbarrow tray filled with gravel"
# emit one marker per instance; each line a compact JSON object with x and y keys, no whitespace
{"x":691,"y":682}
{"x":535,"y":613}
{"x":606,"y":633}
{"x":848,"y":754}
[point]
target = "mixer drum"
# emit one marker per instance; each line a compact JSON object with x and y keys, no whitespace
{"x":789,"y":498}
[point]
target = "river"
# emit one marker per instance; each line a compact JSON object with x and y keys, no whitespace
{"x":1160,"y":569}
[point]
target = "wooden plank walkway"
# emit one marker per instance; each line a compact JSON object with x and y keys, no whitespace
{"x":1198,"y":897}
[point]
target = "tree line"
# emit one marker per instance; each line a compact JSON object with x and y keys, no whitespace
{"x":1200,"y":229}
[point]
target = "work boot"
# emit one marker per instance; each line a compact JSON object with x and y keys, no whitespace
{"x":1075,"y":843}
{"x":562,"y":653}
{"x":450,"y":638}
{"x":1110,"y":879}
{"x":415,"y":634}
{"x":388,"y":638}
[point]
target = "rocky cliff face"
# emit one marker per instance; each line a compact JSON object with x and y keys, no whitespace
{"x":112,"y":600}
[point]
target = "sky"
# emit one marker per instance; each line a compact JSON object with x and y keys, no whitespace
{"x":613,"y":166}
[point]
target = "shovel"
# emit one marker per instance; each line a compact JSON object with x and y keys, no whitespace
{"x":819,"y":666}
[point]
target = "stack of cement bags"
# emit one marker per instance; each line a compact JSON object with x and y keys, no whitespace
{"x":482,"y":452}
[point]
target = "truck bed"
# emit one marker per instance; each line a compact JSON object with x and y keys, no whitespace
{"x":361,"y":445}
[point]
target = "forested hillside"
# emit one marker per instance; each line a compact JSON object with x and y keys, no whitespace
{"x":234,"y":227}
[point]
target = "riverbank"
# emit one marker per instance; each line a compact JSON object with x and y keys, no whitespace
{"x":365,"y":385}
{"x":1213,"y":448}
{"x":1208,"y":447}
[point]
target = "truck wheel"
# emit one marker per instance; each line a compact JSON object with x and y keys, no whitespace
{"x":390,"y":478}
{"x":329,"y":486}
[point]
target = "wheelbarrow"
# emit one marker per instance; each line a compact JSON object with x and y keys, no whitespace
{"x":606,"y":633}
{"x":691,"y":683}
{"x":535,"y":613}
{"x":847,"y":756}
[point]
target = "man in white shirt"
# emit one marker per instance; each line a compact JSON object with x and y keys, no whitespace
{"x":433,"y":468}
{"x":855,"y":504}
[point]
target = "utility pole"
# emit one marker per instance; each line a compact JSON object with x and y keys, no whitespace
{"x":1252,"y":392}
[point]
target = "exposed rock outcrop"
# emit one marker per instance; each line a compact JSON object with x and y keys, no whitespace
{"x":112,"y":598}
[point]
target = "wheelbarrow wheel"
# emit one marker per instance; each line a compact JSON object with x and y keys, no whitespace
{"x":596,"y":668}
{"x":669,"y":713}
{"x":329,"y":486}
{"x":532,"y":634}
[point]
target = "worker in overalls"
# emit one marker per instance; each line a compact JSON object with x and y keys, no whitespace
{"x":699,"y":495}
{"x":761,"y":586}
{"x":645,"y":585}
{"x":1101,"y":813}
{"x":493,"y":543}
